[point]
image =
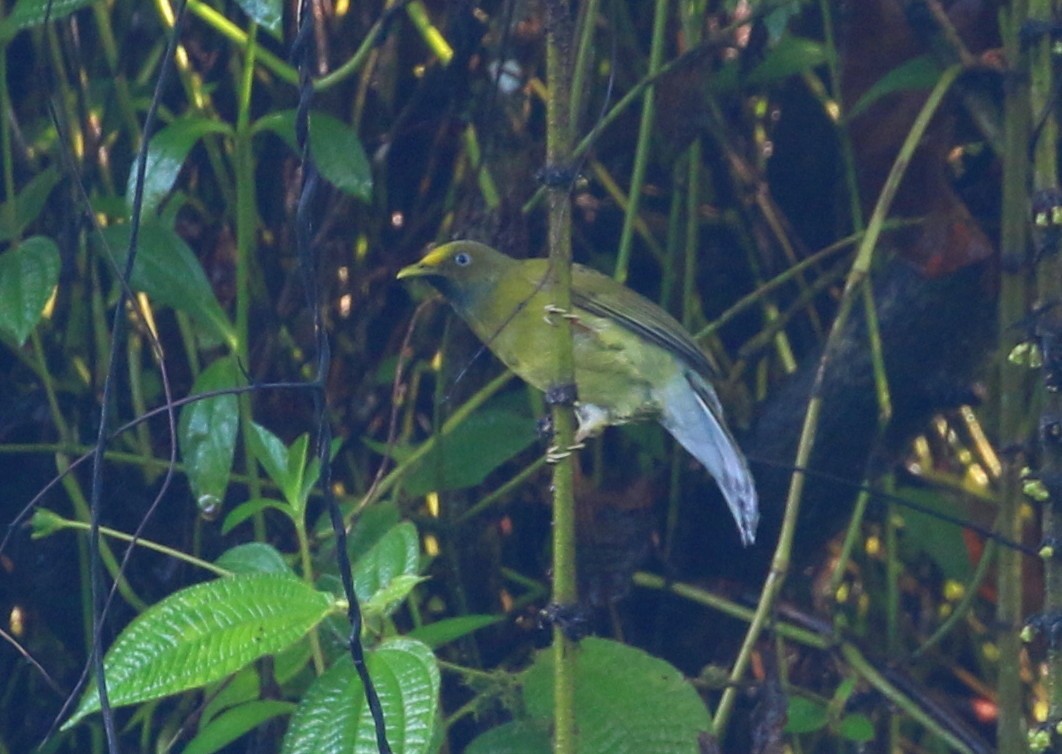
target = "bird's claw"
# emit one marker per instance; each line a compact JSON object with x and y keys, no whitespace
{"x":555,"y":454}
{"x":552,"y":309}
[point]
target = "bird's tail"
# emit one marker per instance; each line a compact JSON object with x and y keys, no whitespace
{"x":694,"y":417}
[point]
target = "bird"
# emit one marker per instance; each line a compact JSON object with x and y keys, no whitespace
{"x":633,"y":360}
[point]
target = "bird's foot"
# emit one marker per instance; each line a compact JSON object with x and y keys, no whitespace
{"x":556,"y":454}
{"x":552,"y":309}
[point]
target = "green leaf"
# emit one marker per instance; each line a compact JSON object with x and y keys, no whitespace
{"x":792,"y":55}
{"x":168,"y":271}
{"x":517,"y":737}
{"x":254,"y":557}
{"x":369,"y":527}
{"x":941,"y":540}
{"x":239,"y":688}
{"x":28,"y":276}
{"x":284,"y":466}
{"x":202,"y":634}
{"x":233,"y":723}
{"x":248,"y":508}
{"x":386,"y":599}
{"x":167,"y":151}
{"x":917,"y":73}
{"x":333,"y":717}
{"x":447,"y":630}
{"x":28,"y":13}
{"x":856,"y":727}
{"x":335,"y":147}
{"x":339,"y":156}
{"x":207,"y":434}
{"x":805,"y":715}
{"x":28,"y":203}
{"x":266,"y":13}
{"x":626,"y":701}
{"x":396,"y":554}
{"x":475,"y":448}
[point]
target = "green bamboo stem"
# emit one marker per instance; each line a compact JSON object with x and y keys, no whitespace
{"x":1013,"y":385}
{"x":558,"y":157}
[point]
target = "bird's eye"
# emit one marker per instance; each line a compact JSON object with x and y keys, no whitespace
{"x":462,"y":259}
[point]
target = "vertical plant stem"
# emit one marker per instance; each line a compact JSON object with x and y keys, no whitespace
{"x":641,"y":156}
{"x":246,"y":231}
{"x":1012,"y":389}
{"x":857,"y":277}
{"x":558,"y":155}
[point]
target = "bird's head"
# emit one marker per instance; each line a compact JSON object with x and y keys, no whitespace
{"x":463,"y":271}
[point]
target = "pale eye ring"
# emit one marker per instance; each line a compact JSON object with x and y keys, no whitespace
{"x":462,"y":259}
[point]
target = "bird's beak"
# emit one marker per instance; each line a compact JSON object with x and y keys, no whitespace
{"x":429,"y":265}
{"x":413,"y":271}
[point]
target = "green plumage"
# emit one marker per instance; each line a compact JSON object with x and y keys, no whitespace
{"x":633,"y":360}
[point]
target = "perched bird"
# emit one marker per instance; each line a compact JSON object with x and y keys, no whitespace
{"x":633,"y":360}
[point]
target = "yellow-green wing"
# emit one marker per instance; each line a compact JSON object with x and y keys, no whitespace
{"x":602,"y":296}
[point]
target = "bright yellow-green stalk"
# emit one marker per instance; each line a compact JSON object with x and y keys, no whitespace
{"x":633,"y":360}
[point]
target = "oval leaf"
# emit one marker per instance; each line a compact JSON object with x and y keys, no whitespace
{"x":28,"y":276}
{"x":233,"y":723}
{"x":167,"y":151}
{"x":476,"y":447}
{"x":339,"y":156}
{"x":168,"y":271}
{"x":335,"y":147}
{"x":202,"y":634}
{"x":396,"y":554}
{"x":626,"y":701}
{"x":207,"y":433}
{"x":28,"y":13}
{"x":333,"y":717}
{"x":254,"y":557}
{"x":517,"y":737}
{"x":28,"y":203}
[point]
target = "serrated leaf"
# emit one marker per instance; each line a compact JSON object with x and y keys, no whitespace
{"x":28,"y":276}
{"x":333,"y":717}
{"x":792,"y":55}
{"x":233,"y":723}
{"x":335,"y":147}
{"x":168,"y":271}
{"x":476,"y":447}
{"x":28,"y":203}
{"x":29,"y":13}
{"x":447,"y":630}
{"x":167,"y":151}
{"x":254,"y":557}
{"x":207,"y":433}
{"x":517,"y":737}
{"x":626,"y":701}
{"x":805,"y":715}
{"x":202,"y":634}
{"x":917,"y":73}
{"x":396,"y":554}
{"x":266,"y":13}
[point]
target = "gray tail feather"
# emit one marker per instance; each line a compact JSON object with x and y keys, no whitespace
{"x":694,"y":417}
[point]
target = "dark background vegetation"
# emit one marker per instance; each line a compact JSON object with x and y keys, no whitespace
{"x":751,"y":166}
